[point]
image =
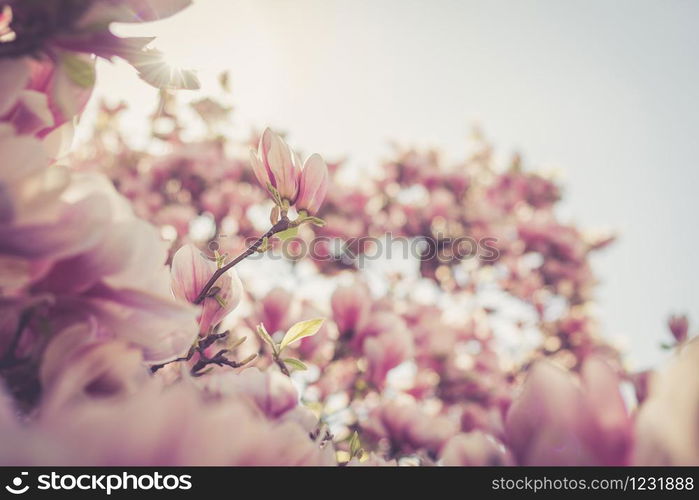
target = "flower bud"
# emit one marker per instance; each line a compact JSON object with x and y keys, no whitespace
{"x":679,"y":325}
{"x":275,"y":164}
{"x":190,"y":272}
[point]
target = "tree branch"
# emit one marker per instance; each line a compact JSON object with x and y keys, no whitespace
{"x":201,"y":345}
{"x":282,"y":225}
{"x":217,"y":359}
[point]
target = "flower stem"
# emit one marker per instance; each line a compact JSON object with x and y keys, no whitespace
{"x":282,"y":225}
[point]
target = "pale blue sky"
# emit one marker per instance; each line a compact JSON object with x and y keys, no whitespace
{"x":607,"y":92}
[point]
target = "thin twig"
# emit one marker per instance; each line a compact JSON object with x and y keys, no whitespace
{"x":218,"y":359}
{"x":282,"y":225}
{"x":282,"y":366}
{"x":201,"y":345}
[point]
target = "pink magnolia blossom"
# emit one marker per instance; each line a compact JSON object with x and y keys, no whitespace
{"x":31,"y":113}
{"x":275,"y":164}
{"x":76,"y":242}
{"x":679,"y":326}
{"x":87,"y":306}
{"x":406,"y":427}
{"x":273,"y":393}
{"x":386,"y":351}
{"x":274,"y":309}
{"x":667,"y":425}
{"x":350,"y":306}
{"x":190,"y":272}
{"x":157,"y":428}
{"x":64,"y":98}
{"x":565,"y":420}
{"x":80,"y":364}
{"x":82,"y":28}
{"x":376,"y":323}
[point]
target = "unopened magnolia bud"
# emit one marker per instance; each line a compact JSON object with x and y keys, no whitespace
{"x":679,"y":326}
{"x":189,"y":274}
{"x":275,"y":164}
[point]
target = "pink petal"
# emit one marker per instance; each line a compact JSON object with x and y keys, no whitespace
{"x":14,"y":75}
{"x":31,"y":113}
{"x":190,"y":271}
{"x":313,"y":185}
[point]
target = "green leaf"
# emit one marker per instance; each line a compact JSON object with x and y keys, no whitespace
{"x":80,"y":71}
{"x":248,"y":359}
{"x":317,"y":221}
{"x":204,"y":372}
{"x":301,"y":330}
{"x":275,"y":194}
{"x":295,"y":364}
{"x":264,"y":246}
{"x":237,"y":342}
{"x":355,"y":444}
{"x":288,"y":233}
{"x":274,"y":215}
{"x":262,"y":332}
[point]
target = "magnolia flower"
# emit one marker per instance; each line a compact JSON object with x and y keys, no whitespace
{"x":350,"y":306}
{"x":155,"y":427}
{"x":667,"y":425}
{"x":386,"y":351}
{"x":407,"y":427}
{"x":78,"y":365}
{"x":276,"y":165}
{"x":68,"y":30}
{"x":31,"y":113}
{"x":72,"y":239}
{"x":190,"y":272}
{"x":376,"y":323}
{"x":678,"y":325}
{"x":561,"y":420}
{"x":273,"y":393}
{"x":58,"y":90}
{"x":274,"y":309}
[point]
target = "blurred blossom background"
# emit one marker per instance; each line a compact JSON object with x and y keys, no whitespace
{"x":602,"y":95}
